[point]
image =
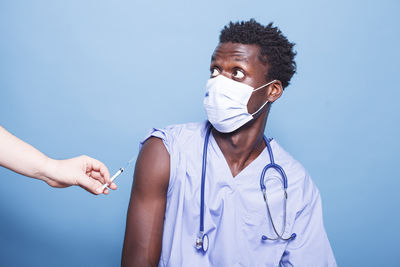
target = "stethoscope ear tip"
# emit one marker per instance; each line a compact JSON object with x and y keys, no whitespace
{"x":293,"y":236}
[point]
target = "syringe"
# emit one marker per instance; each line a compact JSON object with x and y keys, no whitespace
{"x":118,"y":173}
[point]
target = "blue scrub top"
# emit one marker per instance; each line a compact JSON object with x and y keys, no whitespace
{"x":235,"y":216}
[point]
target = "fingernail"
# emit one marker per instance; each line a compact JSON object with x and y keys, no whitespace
{"x":98,"y":190}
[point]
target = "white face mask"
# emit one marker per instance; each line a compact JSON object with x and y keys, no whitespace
{"x":226,"y":103}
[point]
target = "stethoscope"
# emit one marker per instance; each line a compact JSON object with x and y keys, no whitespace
{"x":202,"y":240}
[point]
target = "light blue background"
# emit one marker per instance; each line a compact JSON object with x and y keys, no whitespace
{"x":92,"y":77}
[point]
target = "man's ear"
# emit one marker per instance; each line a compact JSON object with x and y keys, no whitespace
{"x":275,"y":91}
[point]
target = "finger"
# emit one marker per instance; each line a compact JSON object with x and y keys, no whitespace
{"x":89,"y":184}
{"x":98,"y":166}
{"x":97,"y":176}
{"x":113,"y":186}
{"x":105,"y":173}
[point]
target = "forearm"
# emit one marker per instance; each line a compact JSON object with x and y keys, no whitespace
{"x":21,"y":157}
{"x":144,"y":227}
{"x":131,"y":261}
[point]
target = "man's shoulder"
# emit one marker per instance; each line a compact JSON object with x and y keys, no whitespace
{"x":186,"y":129}
{"x":295,"y":171}
{"x":179,"y":135}
{"x":299,"y":180}
{"x":283,"y":157}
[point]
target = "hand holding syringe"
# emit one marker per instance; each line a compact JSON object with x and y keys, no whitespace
{"x":118,"y":173}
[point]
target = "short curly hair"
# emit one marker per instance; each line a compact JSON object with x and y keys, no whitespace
{"x":276,"y":50}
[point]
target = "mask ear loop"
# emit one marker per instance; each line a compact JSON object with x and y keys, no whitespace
{"x":263,"y":105}
{"x":262,"y":86}
{"x":252,"y":114}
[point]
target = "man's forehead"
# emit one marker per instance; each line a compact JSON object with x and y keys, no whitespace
{"x":236,"y":51}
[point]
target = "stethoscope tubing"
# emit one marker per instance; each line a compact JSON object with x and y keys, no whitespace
{"x":203,"y":178}
{"x":204,"y":237}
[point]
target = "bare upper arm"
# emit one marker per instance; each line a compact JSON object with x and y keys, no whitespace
{"x":145,"y":218}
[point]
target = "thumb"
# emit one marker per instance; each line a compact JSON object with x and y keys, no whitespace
{"x":89,"y":184}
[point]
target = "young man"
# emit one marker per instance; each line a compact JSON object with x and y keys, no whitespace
{"x":218,"y":193}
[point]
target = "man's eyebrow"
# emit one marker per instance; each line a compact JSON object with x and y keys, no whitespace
{"x":236,"y":58}
{"x":241,"y":59}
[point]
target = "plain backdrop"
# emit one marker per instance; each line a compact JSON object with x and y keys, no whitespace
{"x":92,"y":77}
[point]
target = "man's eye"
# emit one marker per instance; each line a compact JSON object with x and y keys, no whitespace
{"x":238,"y":74}
{"x":214,"y":72}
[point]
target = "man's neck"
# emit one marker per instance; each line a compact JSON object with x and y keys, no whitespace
{"x":243,"y":146}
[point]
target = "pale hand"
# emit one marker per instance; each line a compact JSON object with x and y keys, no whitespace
{"x":84,"y":171}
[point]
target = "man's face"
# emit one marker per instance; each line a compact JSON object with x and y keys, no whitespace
{"x":241,"y":63}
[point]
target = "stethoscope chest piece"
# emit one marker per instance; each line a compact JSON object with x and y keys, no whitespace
{"x":202,"y":242}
